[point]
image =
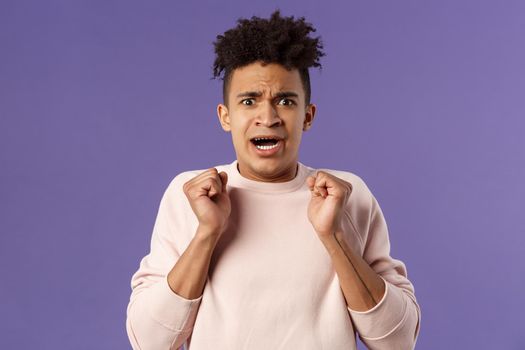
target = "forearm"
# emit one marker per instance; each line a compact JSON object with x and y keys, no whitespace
{"x":162,"y":312}
{"x":361,"y":285}
{"x":188,"y":276}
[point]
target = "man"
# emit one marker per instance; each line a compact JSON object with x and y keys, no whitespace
{"x":266,"y":252}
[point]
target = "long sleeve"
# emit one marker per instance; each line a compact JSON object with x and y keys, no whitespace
{"x":157,"y":318}
{"x":394,"y":322}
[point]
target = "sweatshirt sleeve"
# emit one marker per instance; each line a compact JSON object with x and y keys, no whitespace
{"x":158,"y":318}
{"x":394,"y":322}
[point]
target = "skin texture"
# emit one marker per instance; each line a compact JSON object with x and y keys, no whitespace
{"x":247,"y":117}
{"x":286,"y":117}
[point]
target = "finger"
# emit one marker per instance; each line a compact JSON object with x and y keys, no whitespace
{"x":322,"y":191}
{"x":316,"y":193}
{"x":213,"y":186}
{"x":224,"y":180}
{"x":207,"y":174}
{"x":321,"y":184}
{"x":209,"y":186}
{"x":331,"y":185}
{"x":211,"y":172}
{"x":310,"y":181}
{"x":199,"y":177}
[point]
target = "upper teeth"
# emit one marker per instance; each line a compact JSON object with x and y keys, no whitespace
{"x":263,"y":138}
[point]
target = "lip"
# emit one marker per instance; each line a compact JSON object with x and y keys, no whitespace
{"x":268,"y":152}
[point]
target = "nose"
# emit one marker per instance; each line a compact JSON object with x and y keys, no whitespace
{"x":267,"y":115}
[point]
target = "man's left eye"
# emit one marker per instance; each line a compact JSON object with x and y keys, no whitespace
{"x":289,"y":102}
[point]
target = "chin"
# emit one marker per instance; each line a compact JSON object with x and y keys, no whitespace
{"x":270,"y":168}
{"x":266,"y":169}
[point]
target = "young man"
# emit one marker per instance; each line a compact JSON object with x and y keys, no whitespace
{"x":266,"y":252}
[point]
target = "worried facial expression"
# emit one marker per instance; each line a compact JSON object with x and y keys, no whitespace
{"x":266,"y":116}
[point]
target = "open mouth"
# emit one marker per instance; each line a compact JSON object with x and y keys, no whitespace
{"x":265,"y":143}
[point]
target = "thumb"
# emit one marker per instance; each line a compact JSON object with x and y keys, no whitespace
{"x":224,"y":179}
{"x":310,"y":181}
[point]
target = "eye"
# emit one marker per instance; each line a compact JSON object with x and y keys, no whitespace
{"x":289,"y":102}
{"x":247,"y":99}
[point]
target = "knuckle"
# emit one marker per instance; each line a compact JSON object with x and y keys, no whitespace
{"x":212,"y":182}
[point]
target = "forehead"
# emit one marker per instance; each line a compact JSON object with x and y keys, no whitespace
{"x":259,"y":77}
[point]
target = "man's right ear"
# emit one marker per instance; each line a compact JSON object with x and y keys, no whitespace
{"x":224,"y":117}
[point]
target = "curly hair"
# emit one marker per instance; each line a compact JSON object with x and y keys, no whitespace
{"x":278,"y":39}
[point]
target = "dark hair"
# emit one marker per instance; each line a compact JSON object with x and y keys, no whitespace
{"x":278,"y":39}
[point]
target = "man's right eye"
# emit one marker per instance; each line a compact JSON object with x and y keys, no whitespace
{"x":247,"y":100}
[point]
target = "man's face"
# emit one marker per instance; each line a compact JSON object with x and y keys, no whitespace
{"x":266,"y":101}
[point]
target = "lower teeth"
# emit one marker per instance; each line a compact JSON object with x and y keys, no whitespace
{"x":266,"y":147}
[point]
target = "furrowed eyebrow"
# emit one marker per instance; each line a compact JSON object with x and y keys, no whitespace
{"x":280,"y":94}
{"x":286,"y":94}
{"x":249,"y":94}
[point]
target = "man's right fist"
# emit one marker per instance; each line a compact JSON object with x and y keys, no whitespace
{"x":209,"y":199}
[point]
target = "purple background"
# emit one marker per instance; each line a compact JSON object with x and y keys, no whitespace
{"x":103,"y":102}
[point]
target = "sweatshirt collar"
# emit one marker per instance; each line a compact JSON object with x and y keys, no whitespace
{"x":235,"y":179}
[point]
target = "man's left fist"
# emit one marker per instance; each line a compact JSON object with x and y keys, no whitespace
{"x":329,"y":196}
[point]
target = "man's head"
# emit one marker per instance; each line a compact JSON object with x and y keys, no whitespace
{"x":266,"y":91}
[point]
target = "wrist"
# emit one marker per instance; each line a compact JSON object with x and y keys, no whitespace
{"x":206,"y":233}
{"x":331,"y":240}
{"x":208,"y":230}
{"x":328,"y":240}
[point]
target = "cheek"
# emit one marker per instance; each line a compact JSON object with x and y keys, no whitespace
{"x":295,"y":137}
{"x":237,"y":138}
{"x":239,"y":135}
{"x":242,"y":129}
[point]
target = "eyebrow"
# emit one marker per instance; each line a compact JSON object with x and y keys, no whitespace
{"x":258,"y":94}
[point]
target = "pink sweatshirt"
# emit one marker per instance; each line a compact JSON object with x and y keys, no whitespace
{"x":271,"y":283}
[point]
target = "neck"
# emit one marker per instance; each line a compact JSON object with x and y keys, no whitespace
{"x":287,"y":176}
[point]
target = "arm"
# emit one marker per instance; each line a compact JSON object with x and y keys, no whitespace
{"x":157,"y":317}
{"x":380,"y":299}
{"x":188,"y":277}
{"x":167,"y":288}
{"x":162,"y":317}
{"x":393,"y":322}
{"x":362,"y":287}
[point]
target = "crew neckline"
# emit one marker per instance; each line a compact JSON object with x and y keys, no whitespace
{"x":235,"y":179}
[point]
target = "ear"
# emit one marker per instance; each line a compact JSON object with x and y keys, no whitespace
{"x":309,"y":116}
{"x":224,"y":117}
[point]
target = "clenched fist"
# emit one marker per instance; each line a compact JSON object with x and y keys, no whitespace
{"x":209,"y":200}
{"x":329,"y":197}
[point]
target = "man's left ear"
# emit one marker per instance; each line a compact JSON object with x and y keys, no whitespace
{"x":309,"y":116}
